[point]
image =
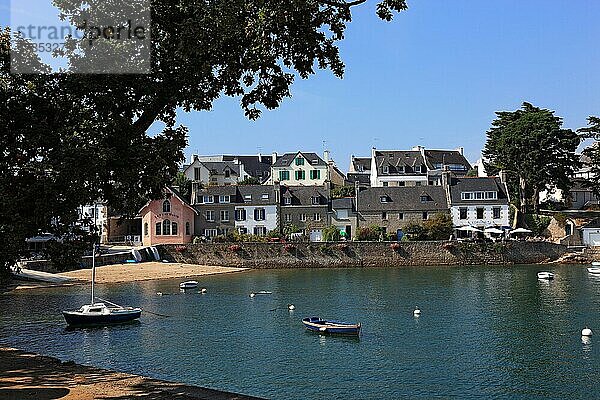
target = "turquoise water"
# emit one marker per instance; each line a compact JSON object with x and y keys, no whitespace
{"x":484,"y":332}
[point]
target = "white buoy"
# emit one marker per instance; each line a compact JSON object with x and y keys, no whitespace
{"x":586,"y":331}
{"x":417,"y":312}
{"x":203,"y":290}
{"x":159,"y":293}
{"x":252,"y":294}
{"x":291,"y":307}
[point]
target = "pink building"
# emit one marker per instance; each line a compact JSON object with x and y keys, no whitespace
{"x":167,"y":221}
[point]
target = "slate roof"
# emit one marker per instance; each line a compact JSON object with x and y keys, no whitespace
{"x":287,"y":159}
{"x":477,"y":184}
{"x":230,"y":190}
{"x":433,"y":157}
{"x":404,"y":198}
{"x":302,"y":195}
{"x":358,"y":162}
{"x":345,"y":203}
{"x":395,"y":159}
{"x":256,"y":192}
{"x":362,"y":179}
{"x":219,"y":167}
{"x":258,"y":167}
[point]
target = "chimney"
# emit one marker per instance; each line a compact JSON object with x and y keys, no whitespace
{"x":461,"y":150}
{"x":194,"y":157}
{"x":445,"y":178}
{"x":274,"y":156}
{"x":326,"y":156}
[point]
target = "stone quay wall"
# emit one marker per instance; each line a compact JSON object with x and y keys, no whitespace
{"x":362,"y":254}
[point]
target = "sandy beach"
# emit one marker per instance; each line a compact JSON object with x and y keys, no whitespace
{"x":26,"y":376}
{"x":118,"y":273}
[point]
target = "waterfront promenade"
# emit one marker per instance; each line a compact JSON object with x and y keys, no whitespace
{"x":27,"y":376}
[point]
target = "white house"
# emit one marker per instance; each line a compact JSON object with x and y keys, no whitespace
{"x":256,"y":209}
{"x":478,"y":202}
{"x":416,"y":167}
{"x":215,"y":173}
{"x":299,"y":169}
{"x":591,"y":233}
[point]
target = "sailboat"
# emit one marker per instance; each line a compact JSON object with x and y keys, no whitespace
{"x":104,"y":313}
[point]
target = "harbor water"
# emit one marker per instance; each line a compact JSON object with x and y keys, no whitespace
{"x":484,"y":332}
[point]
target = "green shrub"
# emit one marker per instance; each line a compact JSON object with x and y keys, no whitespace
{"x":368,"y":233}
{"x":331,"y":234}
{"x":439,"y":227}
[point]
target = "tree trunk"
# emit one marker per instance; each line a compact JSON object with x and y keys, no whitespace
{"x":536,"y":200}
{"x":522,"y":195}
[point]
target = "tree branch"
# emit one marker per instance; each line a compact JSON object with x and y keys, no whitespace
{"x":335,"y":3}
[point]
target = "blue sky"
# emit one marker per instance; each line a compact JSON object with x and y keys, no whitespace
{"x":433,"y":77}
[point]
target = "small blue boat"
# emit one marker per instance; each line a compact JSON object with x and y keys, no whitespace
{"x":321,"y":325}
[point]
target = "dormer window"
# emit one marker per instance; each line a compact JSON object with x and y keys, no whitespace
{"x":401,"y":168}
{"x":224,"y":199}
{"x":384,"y":199}
{"x":208,"y":199}
{"x":386,"y":169}
{"x":424,"y":198}
{"x":247,"y":198}
{"x":314,"y":162}
{"x":316,"y":200}
{"x":227,"y":173}
{"x":166,"y":206}
{"x":287,"y":201}
{"x":265,"y":196}
{"x":299,"y":161}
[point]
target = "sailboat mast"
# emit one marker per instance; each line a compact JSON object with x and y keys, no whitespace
{"x":94,"y":255}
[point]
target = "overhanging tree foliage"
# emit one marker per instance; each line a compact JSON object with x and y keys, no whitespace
{"x":532,"y":146}
{"x":70,"y":139}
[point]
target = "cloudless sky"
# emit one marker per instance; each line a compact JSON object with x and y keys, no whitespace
{"x":432,"y":77}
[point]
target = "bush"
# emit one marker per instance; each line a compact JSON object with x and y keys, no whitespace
{"x":414,"y":231}
{"x":370,"y":233}
{"x":439,"y":227}
{"x":343,"y":191}
{"x":331,"y":234}
{"x":537,"y":223}
{"x":66,"y":255}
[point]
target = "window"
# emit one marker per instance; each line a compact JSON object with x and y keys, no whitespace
{"x":209,"y":199}
{"x":284,"y":175}
{"x":383,"y":215}
{"x":385,"y":184}
{"x":317,"y":217}
{"x":302,"y":217}
{"x":242,"y":230}
{"x":166,"y":227}
{"x":145,"y":229}
{"x":227,"y":173}
{"x":418,"y":183}
{"x":462,"y":213}
{"x":315,"y":174}
{"x":196,"y":174}
{"x":424,"y":198}
{"x":430,"y":183}
{"x":210,"y":233}
{"x":300,"y":175}
{"x":240,"y":214}
{"x":386,"y":169}
{"x":224,"y":199}
{"x":288,"y":218}
{"x":166,"y":206}
{"x":287,"y":201}
{"x":383,"y":199}
{"x":417,"y":168}
{"x":299,"y":161}
{"x":491,"y":195}
{"x":225,"y":215}
{"x":496,"y":212}
{"x":210,"y":215}
{"x":260,"y":230}
{"x":400,"y":216}
{"x":187,"y":228}
{"x":316,"y":200}
{"x":265,"y":196}
{"x":424,"y":215}
{"x":247,"y":198}
{"x":158,"y":229}
{"x":401,"y":168}
{"x":401,"y":183}
{"x":479,"y":212}
{"x":173,"y":228}
{"x":259,"y":214}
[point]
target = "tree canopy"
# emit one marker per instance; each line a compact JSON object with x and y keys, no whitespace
{"x":593,"y":153}
{"x":71,"y":139}
{"x":532,"y":146}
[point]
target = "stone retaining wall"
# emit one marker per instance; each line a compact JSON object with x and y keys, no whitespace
{"x":361,"y":254}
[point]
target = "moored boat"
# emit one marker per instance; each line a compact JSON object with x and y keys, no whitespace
{"x":594,"y":270}
{"x":321,"y":325}
{"x":101,"y":314}
{"x":188,"y":285}
{"x":595,"y":263}
{"x":545,"y":275}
